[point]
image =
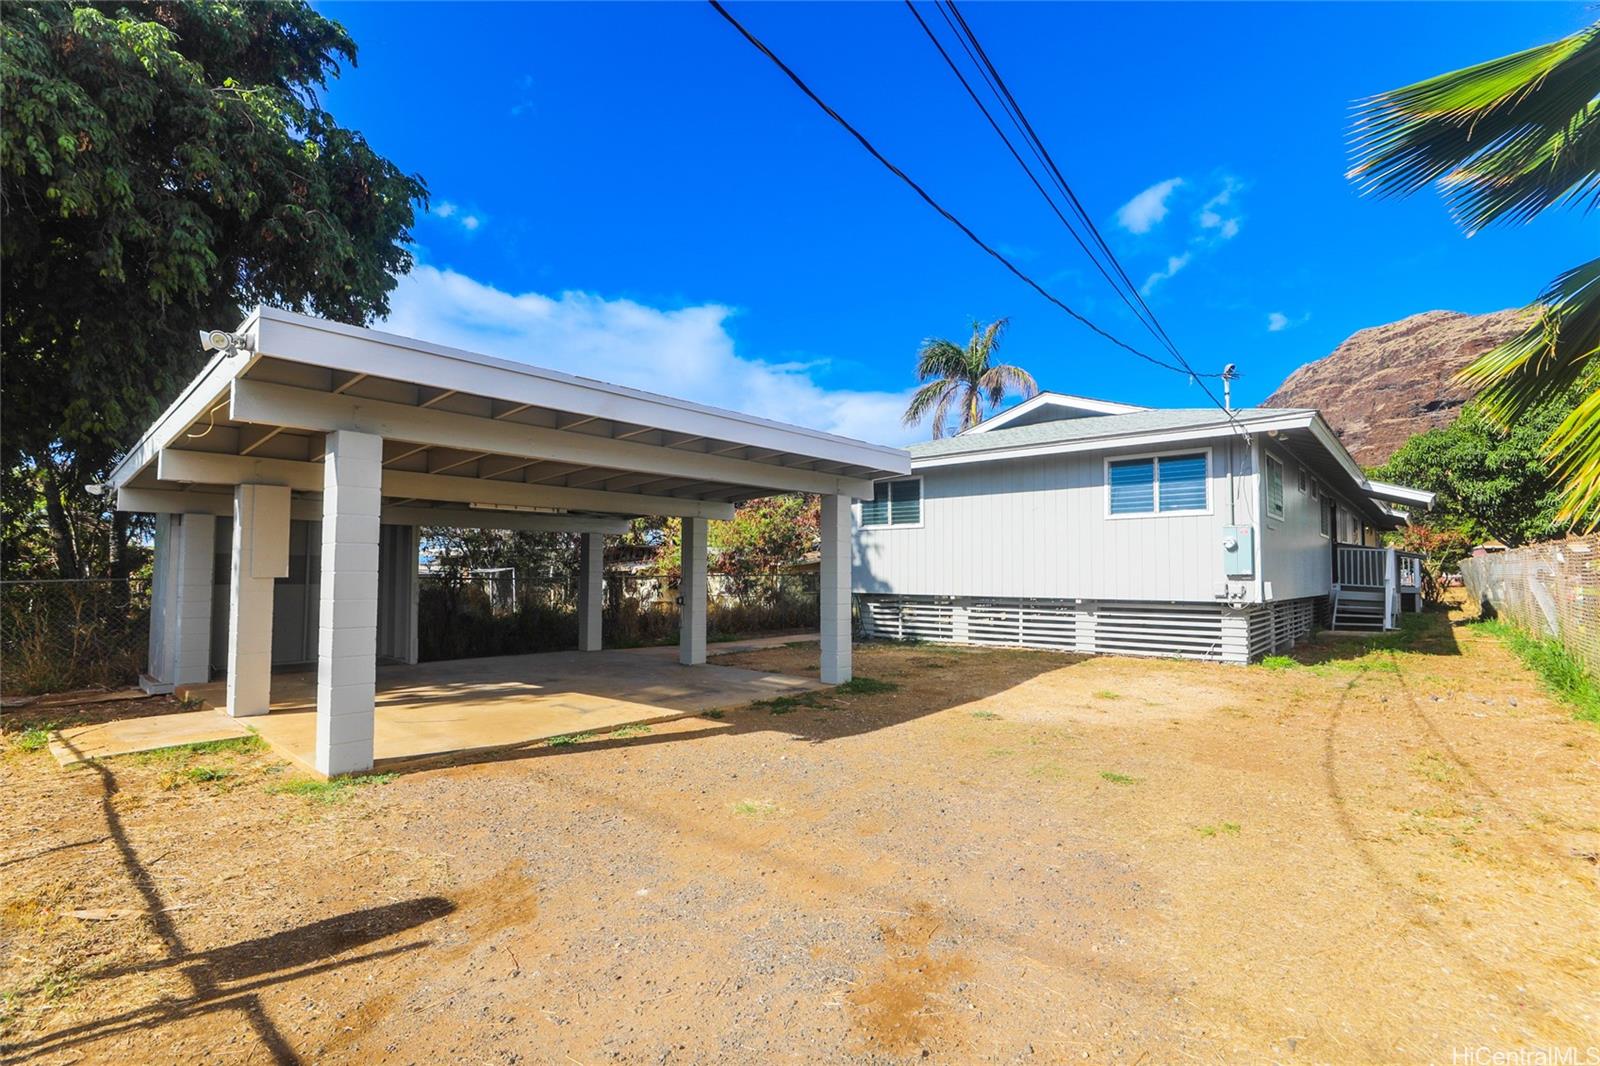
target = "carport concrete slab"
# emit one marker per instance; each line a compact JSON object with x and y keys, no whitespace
{"x":124,"y":737}
{"x":474,"y":704}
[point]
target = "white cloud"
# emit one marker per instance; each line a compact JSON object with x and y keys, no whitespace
{"x":1142,"y":212}
{"x":452,"y":212}
{"x":1175,"y":263}
{"x":1277,"y":321}
{"x":1217,"y":216}
{"x":685,"y":352}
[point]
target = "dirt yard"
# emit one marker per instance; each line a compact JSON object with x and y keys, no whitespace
{"x":1382,"y":851}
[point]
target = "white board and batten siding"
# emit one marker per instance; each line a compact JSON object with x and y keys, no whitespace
{"x":1024,"y":553}
{"x":1039,"y":528}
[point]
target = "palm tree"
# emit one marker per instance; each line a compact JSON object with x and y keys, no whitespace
{"x":964,"y":379}
{"x":1504,"y":140}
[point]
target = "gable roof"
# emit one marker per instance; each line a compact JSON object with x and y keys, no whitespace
{"x":1089,"y":407}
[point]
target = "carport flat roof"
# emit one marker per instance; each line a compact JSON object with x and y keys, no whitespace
{"x":465,"y":432}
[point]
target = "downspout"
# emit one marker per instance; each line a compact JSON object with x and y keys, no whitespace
{"x":1259,"y":470}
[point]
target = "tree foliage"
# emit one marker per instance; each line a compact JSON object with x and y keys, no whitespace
{"x":964,"y":380}
{"x":1491,"y":483}
{"x":166,"y":166}
{"x":1504,"y":141}
{"x":765,"y":536}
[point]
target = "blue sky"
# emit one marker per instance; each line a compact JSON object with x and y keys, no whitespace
{"x":632,"y":193}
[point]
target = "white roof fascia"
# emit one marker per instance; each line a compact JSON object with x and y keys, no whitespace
{"x":1059,"y":399}
{"x":1401,"y":494}
{"x":1125,"y":440}
{"x":209,"y":389}
{"x":303,"y":339}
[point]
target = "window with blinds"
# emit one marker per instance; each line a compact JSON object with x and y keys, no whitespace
{"x":1161,"y":484}
{"x":894,"y":503}
{"x":1274,"y":487}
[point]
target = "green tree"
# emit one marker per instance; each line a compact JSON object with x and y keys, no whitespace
{"x":964,"y":380}
{"x":1505,"y":140}
{"x":1491,"y":482}
{"x":166,"y":165}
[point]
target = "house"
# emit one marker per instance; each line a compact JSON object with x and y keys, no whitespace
{"x":289,"y":479}
{"x":1066,"y":522}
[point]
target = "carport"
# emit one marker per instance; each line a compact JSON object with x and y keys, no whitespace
{"x":373,"y":436}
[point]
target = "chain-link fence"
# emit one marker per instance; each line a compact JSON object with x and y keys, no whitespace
{"x":1549,"y":590}
{"x":504,"y":612}
{"x":56,"y":636}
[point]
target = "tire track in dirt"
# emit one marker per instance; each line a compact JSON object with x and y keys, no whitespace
{"x":1485,"y":791}
{"x":1504,"y":987}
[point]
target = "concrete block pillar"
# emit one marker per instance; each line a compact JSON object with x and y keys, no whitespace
{"x":835,"y":590}
{"x":260,"y":554}
{"x":163,"y":603}
{"x":692,"y":590}
{"x":194,"y":539}
{"x":347,"y":629}
{"x":591,"y":582}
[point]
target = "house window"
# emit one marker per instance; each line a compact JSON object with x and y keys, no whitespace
{"x":1274,"y":488}
{"x":894,"y":503}
{"x":1302,"y":472}
{"x":1158,"y":484}
{"x":1325,"y":509}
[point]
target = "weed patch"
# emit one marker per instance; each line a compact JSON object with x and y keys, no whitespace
{"x":626,"y":731}
{"x":245,"y":745}
{"x":1560,"y":673}
{"x":865,"y":686}
{"x":786,"y":704}
{"x":755,"y":808}
{"x":1229,"y":828}
{"x":1278,"y":662}
{"x":331,"y":791}
{"x":35,"y":739}
{"x":568,"y":738}
{"x":715,"y":716}
{"x":1118,"y":779}
{"x":1107,"y":694}
{"x":987,"y":716}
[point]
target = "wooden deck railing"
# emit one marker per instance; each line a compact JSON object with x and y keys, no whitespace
{"x":1388,"y":569}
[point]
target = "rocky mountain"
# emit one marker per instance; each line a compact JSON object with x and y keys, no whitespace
{"x":1384,"y":384}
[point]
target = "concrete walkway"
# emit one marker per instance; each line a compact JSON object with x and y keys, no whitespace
{"x":466,"y":704}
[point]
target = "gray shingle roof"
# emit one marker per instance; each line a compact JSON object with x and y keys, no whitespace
{"x":1076,"y":429}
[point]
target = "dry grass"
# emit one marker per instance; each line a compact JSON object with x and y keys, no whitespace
{"x":1372,"y":851}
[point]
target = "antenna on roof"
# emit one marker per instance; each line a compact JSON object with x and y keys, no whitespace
{"x":1229,"y":372}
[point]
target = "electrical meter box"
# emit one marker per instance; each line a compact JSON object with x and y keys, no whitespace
{"x":1238,"y":551}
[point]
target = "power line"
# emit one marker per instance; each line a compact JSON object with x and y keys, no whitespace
{"x":1061,"y":182}
{"x":951,"y":218}
{"x":1150,"y":324}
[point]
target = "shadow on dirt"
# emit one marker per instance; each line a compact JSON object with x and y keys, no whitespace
{"x":230,"y":978}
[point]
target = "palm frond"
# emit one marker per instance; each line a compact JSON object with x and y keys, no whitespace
{"x":939,"y":358}
{"x":924,"y":400}
{"x":1534,"y":109}
{"x":941,"y":413}
{"x":1547,"y":357}
{"x":999,"y":380}
{"x":1556,"y":351}
{"x":1575,"y":447}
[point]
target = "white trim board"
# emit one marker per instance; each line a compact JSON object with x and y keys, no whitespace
{"x":1053,"y":399}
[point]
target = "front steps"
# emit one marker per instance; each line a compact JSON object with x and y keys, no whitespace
{"x":1358,"y":608}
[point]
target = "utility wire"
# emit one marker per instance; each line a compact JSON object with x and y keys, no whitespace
{"x":1150,"y":324}
{"x":1018,"y":116}
{"x":952,"y":219}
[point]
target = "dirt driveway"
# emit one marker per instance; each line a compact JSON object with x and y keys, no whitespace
{"x":1380,"y":852}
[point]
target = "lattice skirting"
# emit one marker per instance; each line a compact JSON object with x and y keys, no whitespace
{"x":1186,"y":630}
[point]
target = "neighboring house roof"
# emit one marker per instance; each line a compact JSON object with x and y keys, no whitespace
{"x":1300,"y":431}
{"x":1083,"y":405}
